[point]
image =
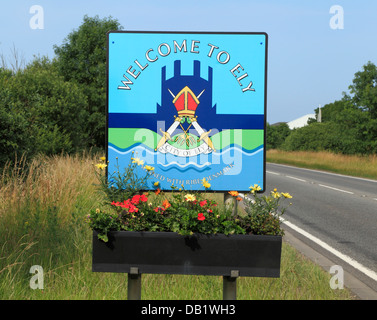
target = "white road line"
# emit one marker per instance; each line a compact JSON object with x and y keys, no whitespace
{"x":290,"y":177}
{"x":278,"y":174}
{"x":322,"y":185}
{"x":368,"y":272}
{"x":324,"y":172}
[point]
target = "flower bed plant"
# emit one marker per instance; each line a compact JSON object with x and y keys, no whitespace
{"x":129,"y":208}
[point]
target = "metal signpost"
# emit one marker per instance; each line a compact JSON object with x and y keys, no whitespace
{"x":192,"y":105}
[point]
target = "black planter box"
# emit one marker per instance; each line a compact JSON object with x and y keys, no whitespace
{"x":170,"y":253}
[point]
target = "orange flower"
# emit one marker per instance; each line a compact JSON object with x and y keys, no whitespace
{"x":157,"y":191}
{"x":166,"y":204}
{"x":239,"y":198}
{"x":233,"y":193}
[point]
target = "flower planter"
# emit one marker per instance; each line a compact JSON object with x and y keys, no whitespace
{"x":170,"y":253}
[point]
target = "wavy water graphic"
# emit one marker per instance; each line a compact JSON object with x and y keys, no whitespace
{"x":185,"y":165}
{"x":193,"y":163}
{"x":138,"y":147}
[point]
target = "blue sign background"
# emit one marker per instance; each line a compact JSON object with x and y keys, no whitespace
{"x":139,"y":110}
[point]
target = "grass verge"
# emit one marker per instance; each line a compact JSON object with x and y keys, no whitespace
{"x":352,"y":165}
{"x":43,"y":206}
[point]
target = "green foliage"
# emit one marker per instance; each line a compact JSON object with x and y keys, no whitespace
{"x":263,"y":213}
{"x":316,"y":136}
{"x":118,"y":185}
{"x":276,"y":135}
{"x":364,"y":89}
{"x":43,"y":113}
{"x":331,"y":111}
{"x":81,"y":59}
{"x":13,"y":124}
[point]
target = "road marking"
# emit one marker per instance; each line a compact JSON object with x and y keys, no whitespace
{"x":296,"y":178}
{"x":322,"y":185}
{"x":368,"y":272}
{"x":278,"y":174}
{"x":324,"y":172}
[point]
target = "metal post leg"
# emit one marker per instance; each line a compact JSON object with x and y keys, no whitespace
{"x":230,"y":286}
{"x":134,"y":284}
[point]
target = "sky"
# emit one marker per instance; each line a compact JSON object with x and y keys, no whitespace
{"x":314,"y":47}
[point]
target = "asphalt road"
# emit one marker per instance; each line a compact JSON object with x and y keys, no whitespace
{"x":339,"y":210}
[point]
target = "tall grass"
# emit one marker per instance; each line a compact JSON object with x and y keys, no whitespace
{"x":354,"y":165}
{"x":43,"y":205}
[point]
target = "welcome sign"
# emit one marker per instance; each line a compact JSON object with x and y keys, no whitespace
{"x":191,"y":105}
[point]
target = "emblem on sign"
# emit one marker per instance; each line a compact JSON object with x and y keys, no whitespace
{"x":185,"y":103}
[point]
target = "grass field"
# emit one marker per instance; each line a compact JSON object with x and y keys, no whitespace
{"x":359,"y":166}
{"x":42,"y":222}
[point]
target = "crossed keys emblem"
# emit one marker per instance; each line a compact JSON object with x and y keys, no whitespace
{"x":186,"y":103}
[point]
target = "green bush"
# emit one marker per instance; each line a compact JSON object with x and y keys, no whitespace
{"x":316,"y":137}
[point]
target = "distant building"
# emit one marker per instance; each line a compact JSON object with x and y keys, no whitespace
{"x":300,"y":122}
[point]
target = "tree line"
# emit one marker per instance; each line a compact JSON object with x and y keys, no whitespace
{"x":347,"y":126}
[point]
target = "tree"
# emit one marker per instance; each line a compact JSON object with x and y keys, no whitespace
{"x":13,"y":133}
{"x":276,"y":135}
{"x":82,"y":59}
{"x":364,"y":89}
{"x":43,"y":113}
{"x":330,"y":111}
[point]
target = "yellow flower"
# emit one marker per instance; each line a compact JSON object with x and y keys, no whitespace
{"x":101,"y":166}
{"x":103,"y":158}
{"x":148,"y":168}
{"x":255,"y":188}
{"x":206,"y":184}
{"x":156,"y":183}
{"x":190,"y":197}
{"x":138,"y":161}
{"x":286,"y":195}
{"x":275,"y":194}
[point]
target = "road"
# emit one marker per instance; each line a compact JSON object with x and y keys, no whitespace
{"x":339,"y":210}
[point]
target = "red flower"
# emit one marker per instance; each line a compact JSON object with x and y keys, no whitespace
{"x":201,"y":217}
{"x":203,"y":203}
{"x":143,"y":198}
{"x":125,"y":204}
{"x":157,"y":209}
{"x":132,"y":208}
{"x":135,"y":199}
